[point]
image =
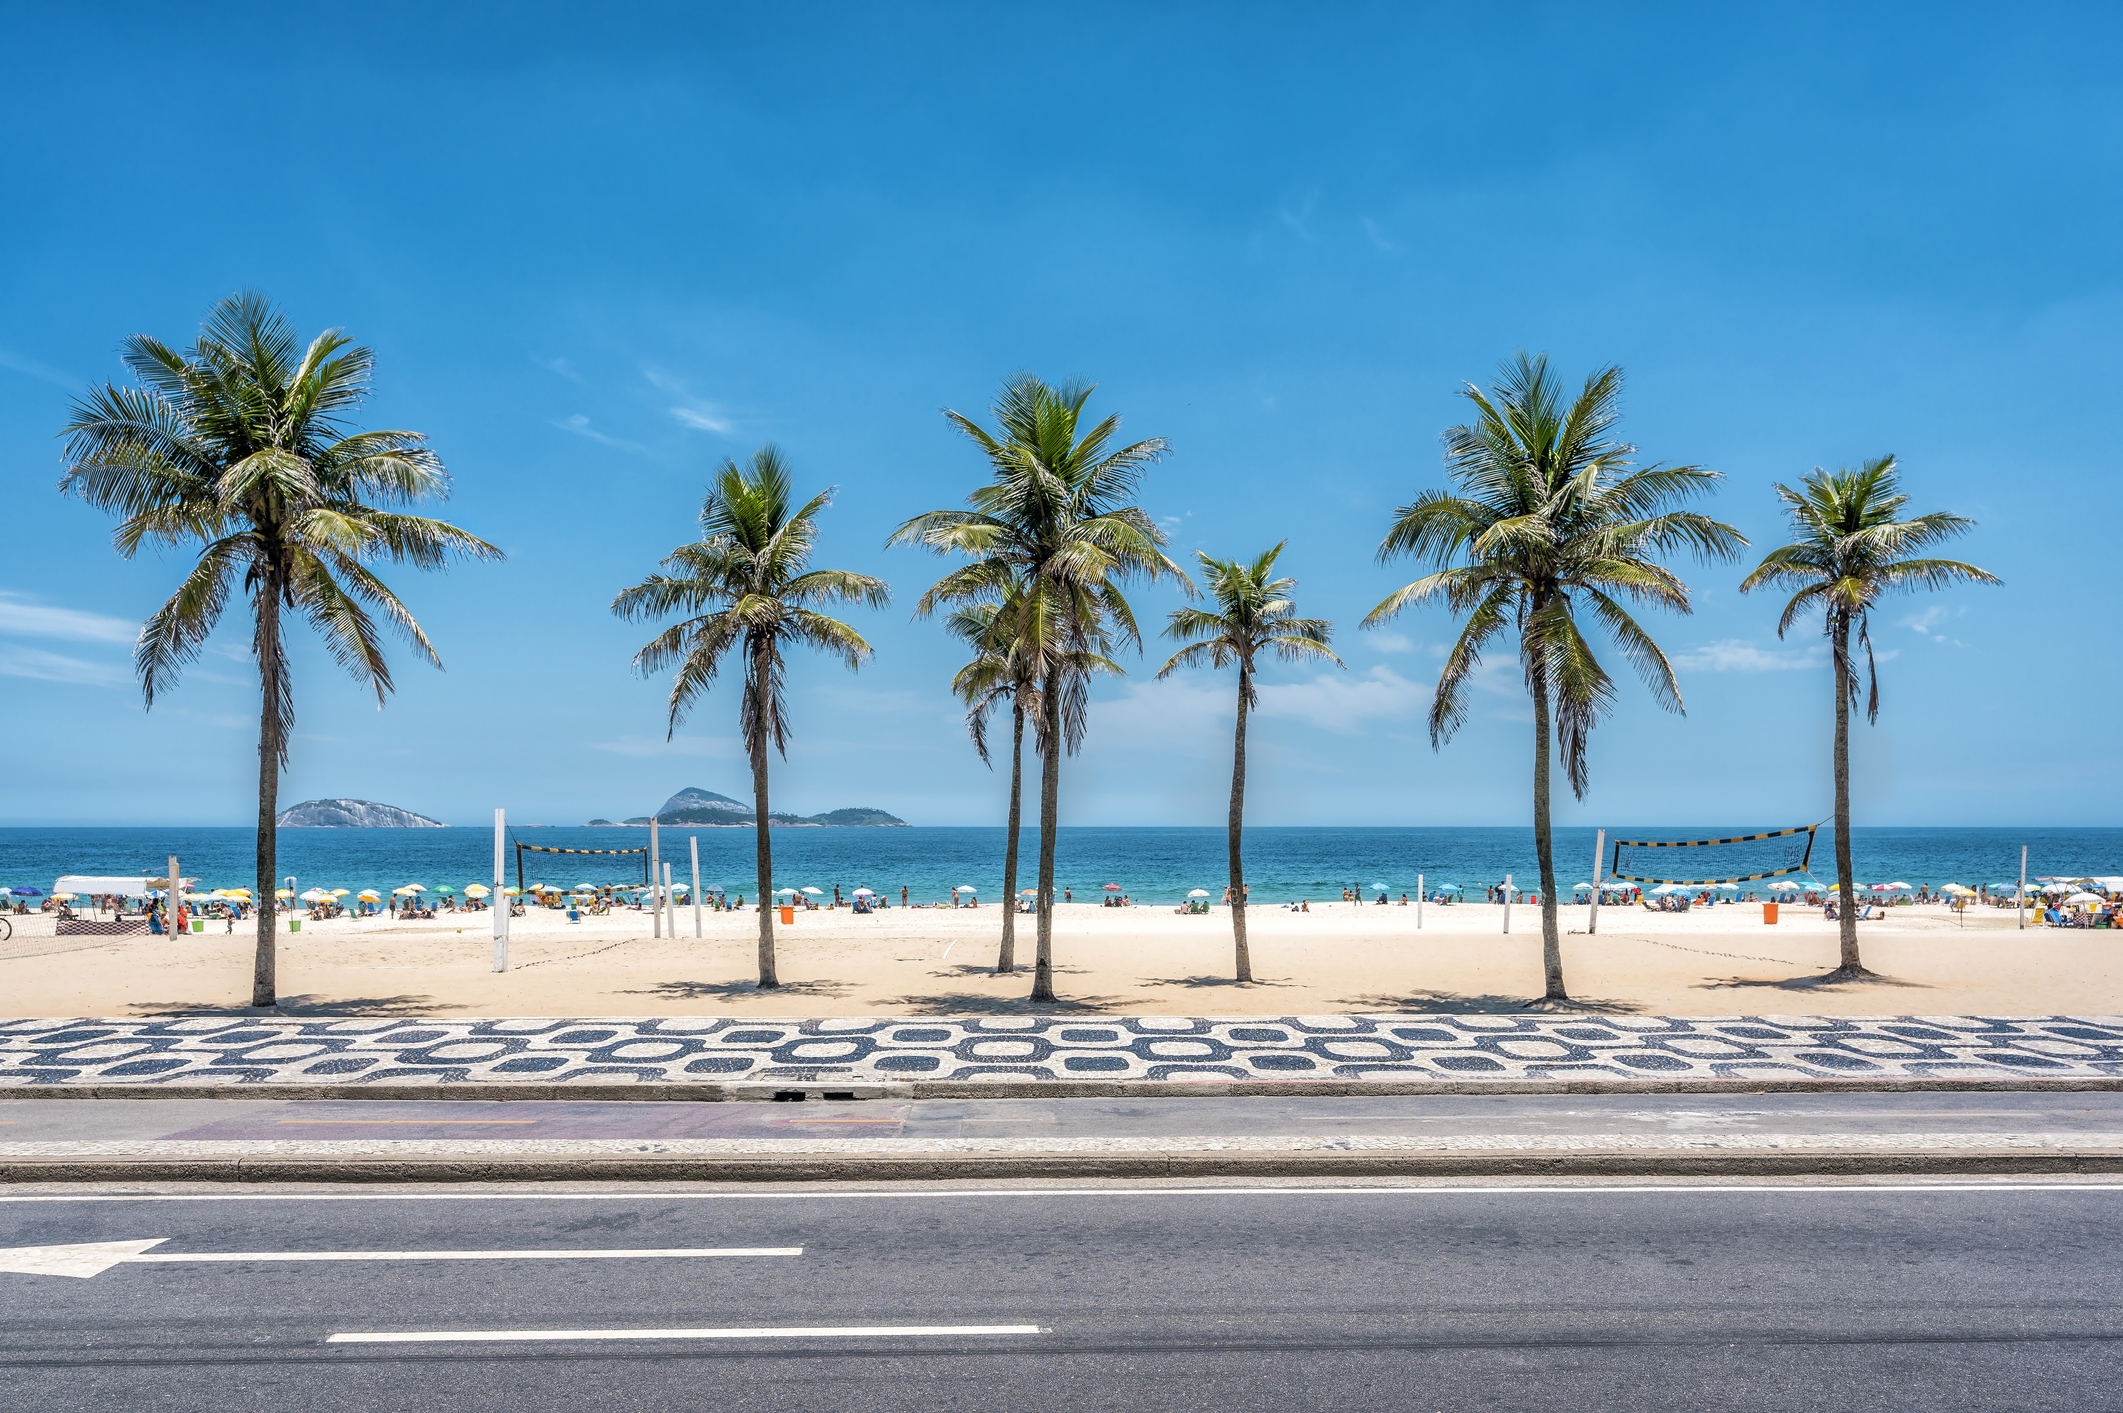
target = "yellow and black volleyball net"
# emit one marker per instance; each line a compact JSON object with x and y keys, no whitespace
{"x":1742,"y":858}
{"x":522,"y":849}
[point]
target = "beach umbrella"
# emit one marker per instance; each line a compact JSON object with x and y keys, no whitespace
{"x":1728,"y":887}
{"x":1380,"y":887}
{"x":814,"y":892}
{"x":509,"y":892}
{"x":1446,"y":887}
{"x":1028,"y":892}
{"x":371,"y":895}
{"x":1670,"y":888}
{"x":1785,"y":885}
{"x":782,"y":892}
{"x":2094,"y":898}
{"x":283,"y":892}
{"x":64,"y":897}
{"x":339,"y":892}
{"x":863,"y":893}
{"x":27,"y":892}
{"x":476,"y":890}
{"x":445,"y":888}
{"x":313,"y":895}
{"x":965,"y":888}
{"x":1113,"y":888}
{"x":409,"y":890}
{"x":1199,"y":893}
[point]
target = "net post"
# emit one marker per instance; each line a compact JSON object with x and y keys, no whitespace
{"x":2019,"y":894}
{"x":655,"y":879}
{"x":694,"y":840}
{"x":1418,"y":902}
{"x":1507,"y":904}
{"x":501,"y":899}
{"x":1599,"y":852}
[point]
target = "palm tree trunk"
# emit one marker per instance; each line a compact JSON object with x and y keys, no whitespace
{"x":1846,"y":881}
{"x":264,"y":982}
{"x":1050,"y":747}
{"x":1237,"y":826}
{"x":764,"y":835}
{"x":1007,"y":960}
{"x":1544,"y":845}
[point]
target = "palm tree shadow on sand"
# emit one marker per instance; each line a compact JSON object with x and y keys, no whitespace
{"x":1200,"y":983}
{"x":302,"y":1006}
{"x":723,"y":990}
{"x":1819,"y":981}
{"x":1453,"y":1003}
{"x":974,"y":1003}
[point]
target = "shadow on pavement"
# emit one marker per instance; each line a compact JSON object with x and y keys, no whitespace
{"x":972,"y":1003}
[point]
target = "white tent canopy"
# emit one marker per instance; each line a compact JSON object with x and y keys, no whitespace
{"x":130,"y":887}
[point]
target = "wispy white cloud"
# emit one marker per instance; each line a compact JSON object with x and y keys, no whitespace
{"x":31,"y":368}
{"x":1342,"y":702}
{"x":1741,"y":655}
{"x":714,"y":747}
{"x":580,"y":426}
{"x":1378,"y":238}
{"x":1390,"y":642}
{"x":559,"y":366}
{"x":23,"y":616}
{"x":690,"y":411}
{"x":41,"y":666}
{"x":1298,"y":218}
{"x":1928,"y":620}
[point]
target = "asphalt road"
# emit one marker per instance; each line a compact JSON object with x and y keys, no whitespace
{"x":1580,"y":1297}
{"x":40,"y":1120}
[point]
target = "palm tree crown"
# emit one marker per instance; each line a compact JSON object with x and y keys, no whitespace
{"x":241,"y":445}
{"x":744,"y":583}
{"x":1253,"y":614}
{"x":1844,"y":556}
{"x":744,"y":586}
{"x":1551,"y":510}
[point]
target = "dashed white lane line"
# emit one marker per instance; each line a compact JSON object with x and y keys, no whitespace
{"x":788,"y":1332}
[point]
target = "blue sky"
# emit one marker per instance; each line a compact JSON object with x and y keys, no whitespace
{"x":597,"y":250}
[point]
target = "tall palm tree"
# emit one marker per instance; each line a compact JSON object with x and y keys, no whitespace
{"x":743,"y":586}
{"x":1551,"y":513}
{"x":1000,"y":673}
{"x":240,"y":444}
{"x":1844,"y":557}
{"x":1057,"y":518}
{"x":1253,"y":614}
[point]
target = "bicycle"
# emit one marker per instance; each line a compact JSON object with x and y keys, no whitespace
{"x":7,"y":929}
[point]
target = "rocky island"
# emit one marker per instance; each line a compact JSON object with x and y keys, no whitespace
{"x":697,"y":807}
{"x":352,"y":814}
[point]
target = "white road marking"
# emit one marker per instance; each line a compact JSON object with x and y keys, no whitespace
{"x":93,"y":1258}
{"x":867,"y":1194}
{"x":791,"y":1332}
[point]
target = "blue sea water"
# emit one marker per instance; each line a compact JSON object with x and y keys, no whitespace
{"x":1152,"y":865}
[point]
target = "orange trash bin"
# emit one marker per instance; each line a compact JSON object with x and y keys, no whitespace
{"x":1769,"y":913}
{"x":788,"y":914}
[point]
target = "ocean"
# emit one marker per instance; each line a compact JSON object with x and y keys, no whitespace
{"x":1151,"y":865}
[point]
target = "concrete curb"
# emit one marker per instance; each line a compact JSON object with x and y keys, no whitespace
{"x":1047,"y":1089}
{"x":808,"y":1169}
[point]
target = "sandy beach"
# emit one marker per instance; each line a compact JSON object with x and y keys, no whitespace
{"x":1338,"y":957}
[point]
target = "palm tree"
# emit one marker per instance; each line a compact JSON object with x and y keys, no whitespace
{"x":743,"y":585}
{"x":1842,"y":559}
{"x":1057,"y":518}
{"x":1000,"y":673}
{"x":1253,"y":613}
{"x":240,"y":444}
{"x":1551,"y":512}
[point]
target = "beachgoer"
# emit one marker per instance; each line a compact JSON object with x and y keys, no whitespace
{"x":1305,"y":905}
{"x":1067,"y":896}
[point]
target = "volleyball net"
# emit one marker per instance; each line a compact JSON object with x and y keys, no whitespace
{"x":1745,"y":858}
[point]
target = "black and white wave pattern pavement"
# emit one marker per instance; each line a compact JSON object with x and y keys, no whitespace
{"x":1393,"y":1048}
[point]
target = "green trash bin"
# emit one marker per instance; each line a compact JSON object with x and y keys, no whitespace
{"x":198,"y":924}
{"x":294,"y":924}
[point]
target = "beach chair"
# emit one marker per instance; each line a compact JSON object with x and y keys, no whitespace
{"x":1870,"y":912}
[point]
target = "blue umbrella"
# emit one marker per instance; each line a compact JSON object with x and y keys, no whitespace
{"x":1381,"y":887}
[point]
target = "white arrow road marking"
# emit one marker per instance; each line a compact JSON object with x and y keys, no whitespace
{"x":792,"y":1332}
{"x":95,"y":1257}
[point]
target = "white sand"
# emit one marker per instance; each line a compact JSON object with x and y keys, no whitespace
{"x":1339,"y":957}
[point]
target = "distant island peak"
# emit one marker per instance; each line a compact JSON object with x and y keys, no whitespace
{"x":352,"y":814}
{"x":694,"y":806}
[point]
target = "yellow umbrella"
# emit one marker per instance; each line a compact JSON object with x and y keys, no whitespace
{"x":409,"y":889}
{"x":372,"y":895}
{"x":476,"y":890}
